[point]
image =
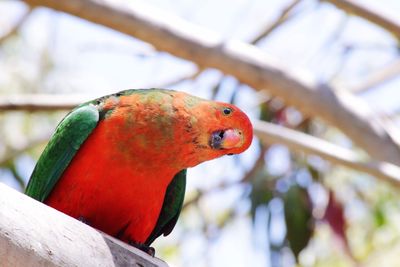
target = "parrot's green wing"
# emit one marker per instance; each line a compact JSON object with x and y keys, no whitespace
{"x":171,"y":208}
{"x":62,"y":147}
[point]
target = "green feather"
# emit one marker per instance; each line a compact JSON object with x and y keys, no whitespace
{"x":70,"y":134}
{"x":172,"y":206}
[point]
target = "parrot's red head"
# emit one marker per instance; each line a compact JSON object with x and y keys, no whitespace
{"x":233,"y":132}
{"x":219,"y":129}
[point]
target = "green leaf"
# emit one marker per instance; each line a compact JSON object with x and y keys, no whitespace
{"x":315,"y":174}
{"x":261,"y":193}
{"x":298,"y":218}
{"x":379,"y":215}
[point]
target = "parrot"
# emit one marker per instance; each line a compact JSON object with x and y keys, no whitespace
{"x":118,"y":163}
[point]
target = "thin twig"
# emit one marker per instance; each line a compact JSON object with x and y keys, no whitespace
{"x":15,"y":28}
{"x":193,"y":200}
{"x":40,"y":102}
{"x":285,"y":15}
{"x":178,"y":80}
{"x":362,"y":10}
{"x":383,"y":75}
{"x":12,"y":153}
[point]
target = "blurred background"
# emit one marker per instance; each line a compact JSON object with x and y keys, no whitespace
{"x":269,"y":206}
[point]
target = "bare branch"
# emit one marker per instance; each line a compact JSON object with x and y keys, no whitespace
{"x":41,"y":102}
{"x":13,"y":30}
{"x":286,"y":14}
{"x":270,"y":133}
{"x":360,"y":9}
{"x":385,"y":74}
{"x":191,"y":76}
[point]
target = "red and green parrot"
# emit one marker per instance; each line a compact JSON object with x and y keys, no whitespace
{"x":118,"y":163}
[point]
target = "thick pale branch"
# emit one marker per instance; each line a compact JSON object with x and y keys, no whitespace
{"x":246,"y":62}
{"x":362,"y":10}
{"x":297,"y":141}
{"x":35,"y":235}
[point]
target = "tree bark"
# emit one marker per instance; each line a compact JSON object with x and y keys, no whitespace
{"x":35,"y":235}
{"x":246,"y":62}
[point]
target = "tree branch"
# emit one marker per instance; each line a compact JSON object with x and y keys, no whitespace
{"x":191,"y":76}
{"x":383,"y":75}
{"x":41,"y":102}
{"x":297,"y":141}
{"x":285,"y":15}
{"x":363,"y":11}
{"x":33,"y":234}
{"x":14,"y":29}
{"x":246,"y":62}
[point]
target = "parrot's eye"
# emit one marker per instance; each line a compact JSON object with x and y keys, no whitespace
{"x":227,"y":111}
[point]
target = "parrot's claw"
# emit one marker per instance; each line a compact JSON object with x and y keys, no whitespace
{"x":149,"y":250}
{"x":84,"y":220}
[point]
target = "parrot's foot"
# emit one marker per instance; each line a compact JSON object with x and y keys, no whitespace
{"x":149,"y":250}
{"x":84,"y":220}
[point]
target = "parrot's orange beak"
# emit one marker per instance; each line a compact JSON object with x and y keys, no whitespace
{"x":226,"y":139}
